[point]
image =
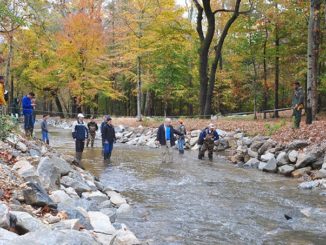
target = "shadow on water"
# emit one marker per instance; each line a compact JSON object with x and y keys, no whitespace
{"x":198,"y":202}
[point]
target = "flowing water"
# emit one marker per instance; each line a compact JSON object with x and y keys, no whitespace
{"x":201,"y":202}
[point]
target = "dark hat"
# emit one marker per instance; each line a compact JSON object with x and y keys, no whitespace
{"x":296,"y":83}
{"x":108,"y":118}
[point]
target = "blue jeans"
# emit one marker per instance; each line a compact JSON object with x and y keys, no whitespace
{"x":28,"y":121}
{"x":45,"y":136}
{"x":181,"y":142}
{"x":107,"y":150}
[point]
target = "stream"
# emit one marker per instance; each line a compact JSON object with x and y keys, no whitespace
{"x":201,"y":202}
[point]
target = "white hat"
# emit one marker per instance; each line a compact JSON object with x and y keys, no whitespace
{"x":80,"y":115}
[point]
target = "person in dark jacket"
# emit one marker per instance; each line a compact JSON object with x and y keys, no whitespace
{"x":109,"y":139}
{"x":207,"y":140}
{"x":79,"y":134}
{"x":45,"y":130}
{"x":102,"y":127}
{"x":297,"y":104}
{"x":165,"y":137}
{"x":28,"y":113}
{"x":92,"y":128}
{"x":15,"y":108}
{"x":181,"y":139}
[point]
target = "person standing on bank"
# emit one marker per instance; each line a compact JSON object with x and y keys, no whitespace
{"x":80,"y":134}
{"x":45,"y":130}
{"x":108,"y":138}
{"x":2,"y":94}
{"x":92,"y":128}
{"x":297,"y":104}
{"x":165,"y":137}
{"x":181,"y":139}
{"x":207,"y":140}
{"x":28,"y":113}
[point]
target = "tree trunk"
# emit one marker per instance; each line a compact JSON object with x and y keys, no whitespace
{"x":265,"y":97}
{"x":139,"y":89}
{"x":59,"y":106}
{"x":9,"y":58}
{"x":312,"y":59}
{"x":277,"y":71}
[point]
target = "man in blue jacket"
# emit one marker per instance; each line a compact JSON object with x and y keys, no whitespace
{"x":28,"y":113}
{"x":165,"y":137}
{"x":80,"y":135}
{"x":108,"y":137}
{"x":207,"y":140}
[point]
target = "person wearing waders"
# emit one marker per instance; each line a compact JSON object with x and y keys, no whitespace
{"x":28,"y":114}
{"x":45,"y":130}
{"x":297,"y":104}
{"x":181,"y":139}
{"x":79,"y":134}
{"x":101,"y":129}
{"x":92,"y":128}
{"x":109,"y":139}
{"x":165,"y":138}
{"x":207,"y":140}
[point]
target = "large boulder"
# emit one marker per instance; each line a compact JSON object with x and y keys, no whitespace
{"x":75,"y":181}
{"x":28,"y":222}
{"x":35,"y":195}
{"x":101,"y":223}
{"x":24,"y":169}
{"x":252,"y":163}
{"x":62,"y":165}
{"x":262,"y":165}
{"x":49,"y":175}
{"x":271,"y":166}
{"x":282,"y":158}
{"x":300,"y":172}
{"x":305,"y":159}
{"x":76,"y":212}
{"x":297,"y":144}
{"x":60,"y":196}
{"x":56,"y":237}
{"x":293,"y":156}
{"x":286,"y":169}
{"x":266,"y":157}
{"x":4,"y":216}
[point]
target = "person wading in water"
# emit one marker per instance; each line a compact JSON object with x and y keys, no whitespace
{"x":92,"y":128}
{"x":207,"y":140}
{"x":79,"y":134}
{"x":108,"y":140}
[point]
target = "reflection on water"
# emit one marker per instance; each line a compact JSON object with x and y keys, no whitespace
{"x":194,"y":202}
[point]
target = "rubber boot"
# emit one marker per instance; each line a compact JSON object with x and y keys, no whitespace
{"x":47,"y":142}
{"x":87,"y":143}
{"x":210,"y":156}
{"x":78,"y":159}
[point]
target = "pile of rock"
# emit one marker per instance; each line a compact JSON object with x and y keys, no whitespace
{"x":51,"y":201}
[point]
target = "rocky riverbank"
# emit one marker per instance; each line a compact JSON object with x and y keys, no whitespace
{"x":45,"y":198}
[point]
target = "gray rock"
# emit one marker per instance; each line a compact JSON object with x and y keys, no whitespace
{"x":318,"y":164}
{"x":305,"y":159}
{"x":309,"y":184}
{"x":35,"y":195}
{"x":324,"y":163}
{"x":21,"y":146}
{"x":63,"y":166}
{"x":195,"y":133}
{"x":124,"y":208}
{"x":320,"y":174}
{"x":271,"y":166}
{"x":49,"y":175}
{"x":282,"y":159}
{"x":95,"y":194}
{"x":76,"y":212}
{"x":293,"y":156}
{"x":110,"y":212}
{"x":6,"y":236}
{"x":256,"y":145}
{"x":252,"y":153}
{"x":28,"y":222}
{"x":78,"y":184}
{"x":125,"y":237}
{"x":193,"y":141}
{"x":34,"y":153}
{"x":101,"y":223}
{"x":68,"y":224}
{"x":262,"y":165}
{"x":252,"y":163}
{"x":247,"y":141}
{"x":70,"y":237}
{"x":4,"y":216}
{"x":266,"y":146}
{"x":116,"y":198}
{"x":103,"y":238}
{"x":60,"y":196}
{"x":24,"y":169}
{"x":266,"y":157}
{"x":286,"y":169}
{"x":297,"y":144}
{"x":300,"y":172}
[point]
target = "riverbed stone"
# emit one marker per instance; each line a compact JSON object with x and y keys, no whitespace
{"x":266,"y":146}
{"x":4,"y":216}
{"x":271,"y":166}
{"x":124,"y":208}
{"x":24,"y":169}
{"x":305,"y":159}
{"x":293,"y":156}
{"x":69,"y":224}
{"x":125,"y":237}
{"x":116,"y":198}
{"x":49,"y":175}
{"x":309,"y":184}
{"x":103,"y":238}
{"x":21,"y":146}
{"x":71,"y":237}
{"x":60,"y":196}
{"x":28,"y":222}
{"x":110,"y":212}
{"x":252,"y":163}
{"x":262,"y":165}
{"x":286,"y":169}
{"x":319,"y":174}
{"x":101,"y":223}
{"x":76,"y":212}
{"x":252,"y":153}
{"x":300,"y":172}
{"x":266,"y":157}
{"x":76,"y":182}
{"x":297,"y":144}
{"x":35,"y":195}
{"x":6,"y":236}
{"x":256,"y":145}
{"x":282,"y":159}
{"x":51,"y":162}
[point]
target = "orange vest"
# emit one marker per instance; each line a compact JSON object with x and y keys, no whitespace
{"x":2,"y":94}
